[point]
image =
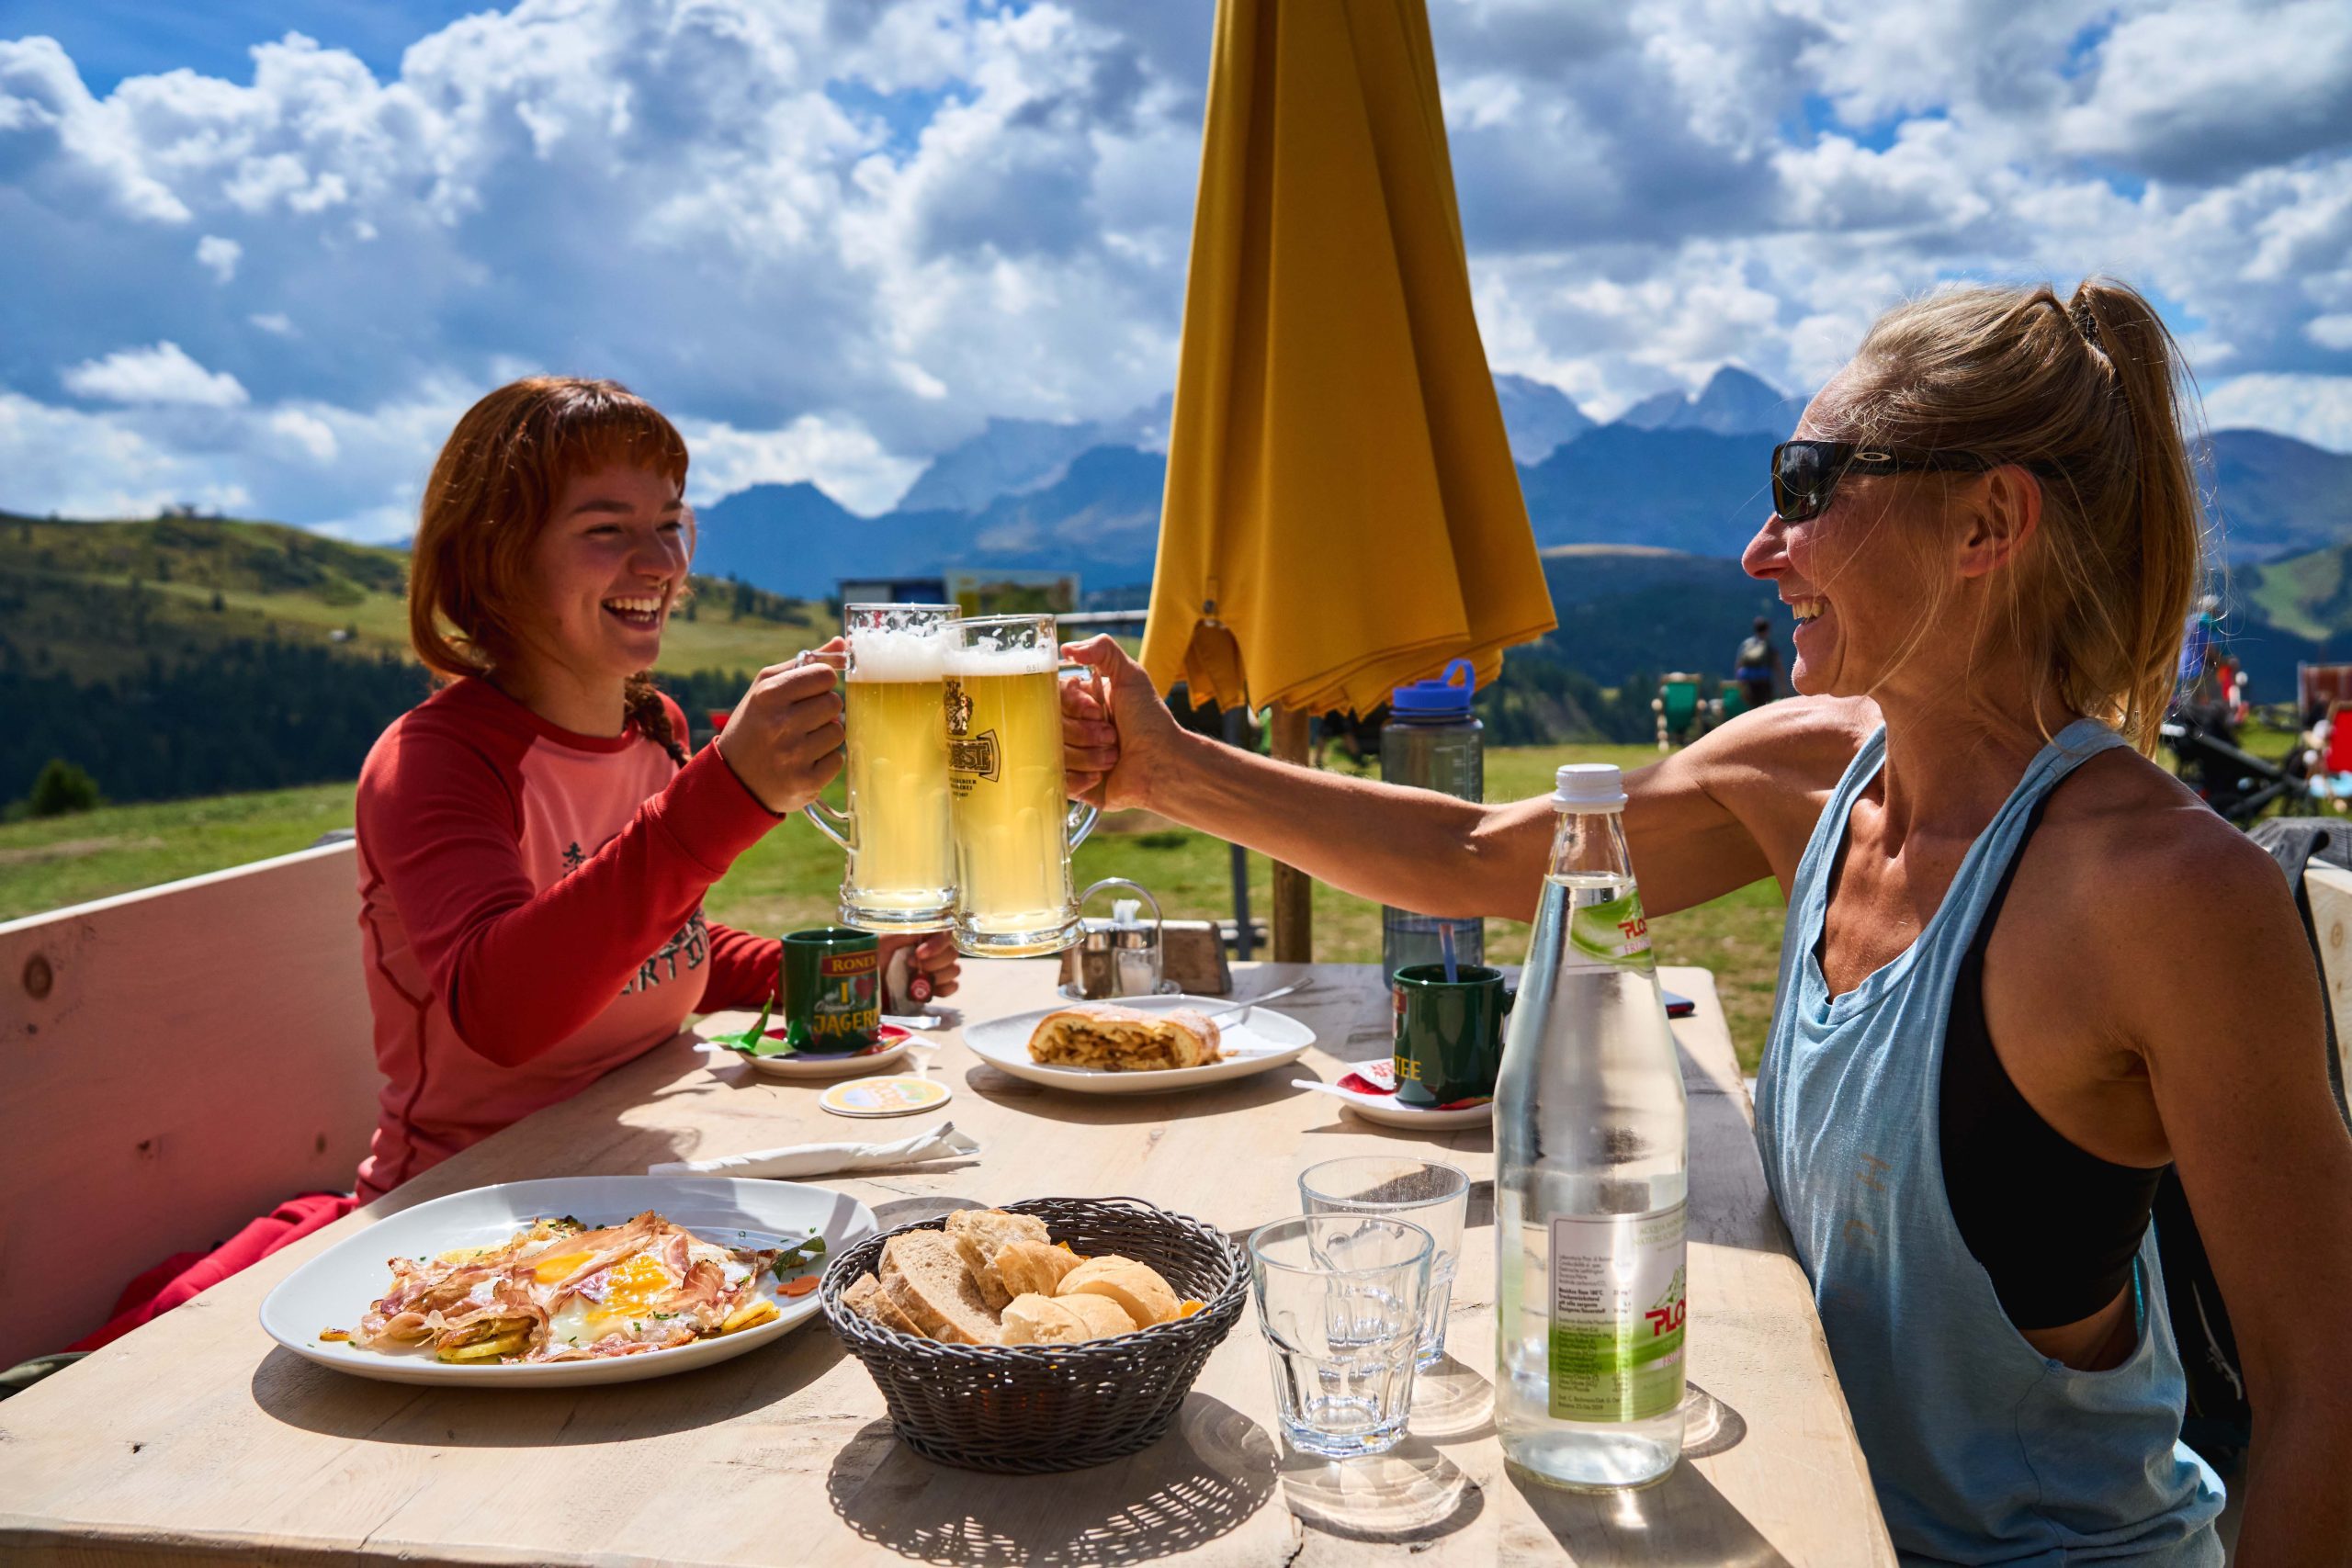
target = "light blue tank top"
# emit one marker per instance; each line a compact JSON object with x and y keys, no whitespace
{"x":1982,"y":1450}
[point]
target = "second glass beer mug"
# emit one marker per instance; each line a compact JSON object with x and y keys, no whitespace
{"x":1014,"y":826}
{"x":901,"y":874}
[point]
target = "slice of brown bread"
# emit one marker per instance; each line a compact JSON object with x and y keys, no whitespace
{"x":924,"y":1277}
{"x":979,"y":1234}
{"x":865,"y":1297}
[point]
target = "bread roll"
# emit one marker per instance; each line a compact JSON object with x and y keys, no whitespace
{"x":1138,"y":1288}
{"x":1124,"y":1039}
{"x":979,"y":1234}
{"x":1046,"y":1320}
{"x":923,"y":1276}
{"x":1031,"y":1268}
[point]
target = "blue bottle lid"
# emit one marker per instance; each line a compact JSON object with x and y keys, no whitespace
{"x":1428,"y":702}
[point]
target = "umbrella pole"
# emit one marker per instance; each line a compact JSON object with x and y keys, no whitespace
{"x":1293,"y":890}
{"x":1236,"y":735}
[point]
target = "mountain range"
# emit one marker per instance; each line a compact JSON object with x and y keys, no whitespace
{"x":1674,"y":472}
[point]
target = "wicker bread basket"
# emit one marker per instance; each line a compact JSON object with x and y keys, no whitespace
{"x":1029,"y":1408}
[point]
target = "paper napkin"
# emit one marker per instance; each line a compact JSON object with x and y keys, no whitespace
{"x":943,"y":1141}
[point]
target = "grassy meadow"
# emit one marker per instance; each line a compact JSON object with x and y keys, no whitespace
{"x":187,"y":585}
{"x":788,"y":879}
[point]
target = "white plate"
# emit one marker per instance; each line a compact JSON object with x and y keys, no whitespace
{"x":335,"y":1288}
{"x":855,"y":1065}
{"x":1389,"y":1111}
{"x":1397,"y":1115}
{"x":1254,"y":1042}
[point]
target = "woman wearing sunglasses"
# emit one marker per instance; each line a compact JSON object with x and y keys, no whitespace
{"x":2024,"y":971}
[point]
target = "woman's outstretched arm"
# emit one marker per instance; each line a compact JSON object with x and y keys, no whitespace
{"x":1422,"y":851}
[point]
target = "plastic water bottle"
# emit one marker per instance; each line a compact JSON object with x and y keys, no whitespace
{"x":1431,"y":742}
{"x":1592,"y":1156}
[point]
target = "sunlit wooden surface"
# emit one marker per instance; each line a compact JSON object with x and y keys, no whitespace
{"x":197,"y":1437}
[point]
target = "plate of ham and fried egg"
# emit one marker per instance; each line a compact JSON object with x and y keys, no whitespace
{"x":568,"y":1281}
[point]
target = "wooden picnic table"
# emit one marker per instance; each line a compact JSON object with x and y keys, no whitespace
{"x":196,"y":1436}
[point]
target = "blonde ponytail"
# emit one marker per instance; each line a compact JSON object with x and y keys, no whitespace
{"x":2091,"y":396}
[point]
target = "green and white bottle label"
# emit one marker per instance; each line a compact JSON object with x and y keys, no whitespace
{"x":1617,"y":1312}
{"x":1615,"y":932}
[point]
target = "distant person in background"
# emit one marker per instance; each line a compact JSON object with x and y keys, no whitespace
{"x":1757,"y":666}
{"x":1356,"y":737}
{"x":534,"y":843}
{"x":2202,"y":654}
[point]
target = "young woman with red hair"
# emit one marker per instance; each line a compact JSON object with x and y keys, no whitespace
{"x":534,"y":842}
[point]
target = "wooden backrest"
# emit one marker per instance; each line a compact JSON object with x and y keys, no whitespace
{"x":2329,"y":889}
{"x":2318,"y":686}
{"x":173,"y":1063}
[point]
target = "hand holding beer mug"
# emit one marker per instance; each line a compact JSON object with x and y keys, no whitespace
{"x":901,"y":873}
{"x":1013,"y":827}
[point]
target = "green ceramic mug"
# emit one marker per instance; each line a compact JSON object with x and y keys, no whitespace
{"x":1449,"y":1039}
{"x":832,"y":988}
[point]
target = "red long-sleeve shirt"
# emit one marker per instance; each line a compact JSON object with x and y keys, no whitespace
{"x":531,"y":910}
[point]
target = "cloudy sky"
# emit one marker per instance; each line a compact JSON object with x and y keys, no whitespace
{"x":258,"y":254}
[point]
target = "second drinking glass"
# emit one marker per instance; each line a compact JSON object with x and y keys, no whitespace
{"x":1015,"y":826}
{"x":1429,"y":1193}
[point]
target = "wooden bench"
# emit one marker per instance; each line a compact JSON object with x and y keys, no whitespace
{"x":174,"y":1062}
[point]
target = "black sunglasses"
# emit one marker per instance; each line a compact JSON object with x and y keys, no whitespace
{"x":1805,"y":472}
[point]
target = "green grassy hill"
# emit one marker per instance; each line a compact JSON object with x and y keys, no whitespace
{"x":189,"y":656}
{"x":95,"y":600}
{"x":2308,"y":595}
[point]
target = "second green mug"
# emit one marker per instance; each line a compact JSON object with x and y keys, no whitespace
{"x":1449,"y":1035}
{"x":832,"y":988}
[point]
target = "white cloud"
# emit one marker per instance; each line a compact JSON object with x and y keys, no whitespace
{"x":2231,"y":85}
{"x":87,"y":465}
{"x":306,"y":433}
{"x":220,"y":255}
{"x":161,"y":374}
{"x":2317,"y":409}
{"x":829,"y":240}
{"x":840,"y":459}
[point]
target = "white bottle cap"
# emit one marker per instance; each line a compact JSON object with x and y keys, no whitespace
{"x":1126,"y":911}
{"x":1590,"y":787}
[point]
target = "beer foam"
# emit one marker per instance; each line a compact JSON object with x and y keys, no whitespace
{"x":882,"y":653}
{"x":991,"y":660}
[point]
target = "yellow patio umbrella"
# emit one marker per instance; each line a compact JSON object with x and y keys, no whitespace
{"x":1341,"y":512}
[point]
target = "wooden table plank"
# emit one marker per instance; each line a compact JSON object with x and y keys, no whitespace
{"x":196,"y":1436}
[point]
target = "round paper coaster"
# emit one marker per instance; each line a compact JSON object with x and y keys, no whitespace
{"x":896,"y":1096}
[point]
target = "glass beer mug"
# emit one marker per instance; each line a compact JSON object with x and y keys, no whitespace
{"x":902,"y":872}
{"x":1014,"y":826}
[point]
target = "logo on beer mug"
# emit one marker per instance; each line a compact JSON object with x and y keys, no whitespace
{"x":973,"y":760}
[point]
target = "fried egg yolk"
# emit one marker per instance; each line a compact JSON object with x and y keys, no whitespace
{"x":622,"y":1300}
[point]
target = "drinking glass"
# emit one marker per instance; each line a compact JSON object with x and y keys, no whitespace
{"x":1014,"y":826}
{"x":902,"y":870}
{"x":1340,"y":1301}
{"x":1430,"y":1194}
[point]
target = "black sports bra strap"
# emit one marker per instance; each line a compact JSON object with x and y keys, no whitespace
{"x":2055,"y":1227}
